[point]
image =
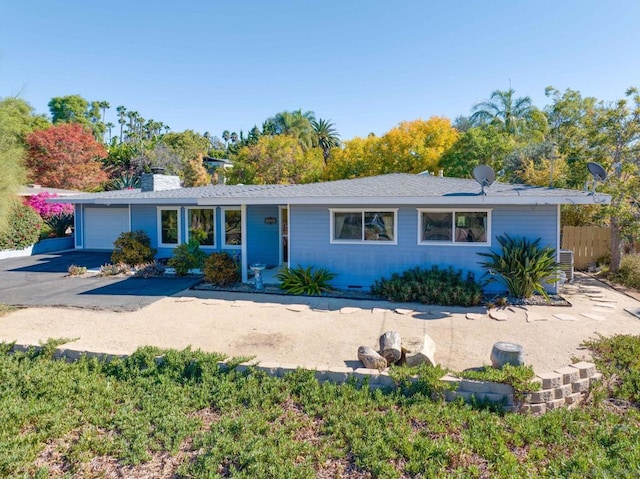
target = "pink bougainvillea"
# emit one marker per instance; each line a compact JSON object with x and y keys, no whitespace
{"x":45,"y":210}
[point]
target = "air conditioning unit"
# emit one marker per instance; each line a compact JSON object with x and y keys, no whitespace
{"x":566,"y":264}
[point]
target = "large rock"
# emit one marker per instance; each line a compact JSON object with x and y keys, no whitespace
{"x":391,"y":346}
{"x":426,"y":355}
{"x":371,"y":359}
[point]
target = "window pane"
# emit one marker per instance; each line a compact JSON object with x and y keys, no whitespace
{"x":471,"y":227}
{"x":233,"y":227}
{"x":201,"y":226}
{"x":347,"y":226}
{"x":378,"y":226}
{"x":437,"y":226}
{"x":169,"y":219}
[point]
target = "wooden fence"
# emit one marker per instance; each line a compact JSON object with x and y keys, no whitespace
{"x":588,"y":243}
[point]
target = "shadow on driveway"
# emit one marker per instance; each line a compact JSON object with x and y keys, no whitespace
{"x":41,"y":281}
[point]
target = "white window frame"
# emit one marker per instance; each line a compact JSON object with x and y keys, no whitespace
{"x":362,"y":211}
{"x":177,"y":209}
{"x":188,"y":219}
{"x":223,"y":228}
{"x":488,"y":211}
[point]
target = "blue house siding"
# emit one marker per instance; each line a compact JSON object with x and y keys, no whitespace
{"x":262,"y":238}
{"x":358,"y":265}
{"x":78,"y":230}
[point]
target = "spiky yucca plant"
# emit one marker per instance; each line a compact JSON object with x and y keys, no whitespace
{"x":305,"y":280}
{"x":523,"y":266}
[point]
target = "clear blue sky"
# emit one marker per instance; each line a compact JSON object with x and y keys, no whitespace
{"x":366,"y":65}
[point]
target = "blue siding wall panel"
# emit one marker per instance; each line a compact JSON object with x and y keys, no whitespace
{"x":262,"y":238}
{"x":361,"y":264}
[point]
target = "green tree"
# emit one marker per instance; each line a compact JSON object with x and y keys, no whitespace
{"x":276,"y":159}
{"x":504,"y":110}
{"x":295,"y":124}
{"x":186,"y":144}
{"x":616,"y":145}
{"x":326,"y":136}
{"x":15,"y":121}
{"x":478,"y":145}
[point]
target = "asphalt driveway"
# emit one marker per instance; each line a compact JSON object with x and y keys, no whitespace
{"x":41,"y":281}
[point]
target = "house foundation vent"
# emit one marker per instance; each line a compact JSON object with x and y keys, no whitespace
{"x":566,"y":263}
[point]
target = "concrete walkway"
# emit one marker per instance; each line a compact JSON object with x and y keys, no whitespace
{"x":325,"y":332}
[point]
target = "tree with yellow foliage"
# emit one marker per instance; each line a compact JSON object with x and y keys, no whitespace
{"x":410,"y":147}
{"x":195,"y":174}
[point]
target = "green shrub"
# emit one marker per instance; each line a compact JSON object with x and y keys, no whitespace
{"x":133,"y":248}
{"x":618,"y":358}
{"x":23,"y":228}
{"x":629,"y":272}
{"x":187,"y":256}
{"x":305,"y":280}
{"x":523,"y":266}
{"x":430,"y":286}
{"x":60,"y":223}
{"x":221,"y":269}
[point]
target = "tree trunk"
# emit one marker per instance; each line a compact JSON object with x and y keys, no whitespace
{"x":391,"y":346}
{"x":616,"y":246}
{"x":371,"y":359}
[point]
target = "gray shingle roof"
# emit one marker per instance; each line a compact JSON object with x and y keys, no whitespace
{"x":397,"y":188}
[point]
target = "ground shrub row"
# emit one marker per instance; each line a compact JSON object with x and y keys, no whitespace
{"x":93,"y":418}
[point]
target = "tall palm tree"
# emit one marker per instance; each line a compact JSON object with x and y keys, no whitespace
{"x":109,"y":126}
{"x":297,"y":125}
{"x":327,"y":136}
{"x":503,"y":109}
{"x":233,"y":137}
{"x":226,"y":136}
{"x":122,"y":113}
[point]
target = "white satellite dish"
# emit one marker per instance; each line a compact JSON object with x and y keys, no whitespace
{"x":484,"y":175}
{"x":598,"y":173}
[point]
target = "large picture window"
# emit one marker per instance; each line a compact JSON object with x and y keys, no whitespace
{"x":169,"y":226}
{"x":232,"y":220}
{"x":364,"y":226}
{"x":454,"y":226}
{"x":201,"y":225}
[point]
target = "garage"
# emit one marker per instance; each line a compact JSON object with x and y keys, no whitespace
{"x":102,"y":226}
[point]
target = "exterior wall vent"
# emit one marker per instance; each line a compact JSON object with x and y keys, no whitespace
{"x":566,"y":263}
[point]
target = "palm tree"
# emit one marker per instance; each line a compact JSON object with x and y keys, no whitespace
{"x":122,"y":112}
{"x":504,"y":110}
{"x":297,"y":125}
{"x":109,"y":126}
{"x":233,"y":137}
{"x":327,"y":136}
{"x":226,"y":136}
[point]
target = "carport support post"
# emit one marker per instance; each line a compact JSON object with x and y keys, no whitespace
{"x":243,"y":241}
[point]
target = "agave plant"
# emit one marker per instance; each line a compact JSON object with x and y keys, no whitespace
{"x":308,"y":280}
{"x":523,"y":266}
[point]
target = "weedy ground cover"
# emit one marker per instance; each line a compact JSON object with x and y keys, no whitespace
{"x":181,"y":414}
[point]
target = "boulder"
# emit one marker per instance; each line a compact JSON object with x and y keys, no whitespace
{"x":426,"y":355}
{"x":371,"y":359}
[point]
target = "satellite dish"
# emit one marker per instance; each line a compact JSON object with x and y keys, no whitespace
{"x":484,"y":175}
{"x":598,"y":173}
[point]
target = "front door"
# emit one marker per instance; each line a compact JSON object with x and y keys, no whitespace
{"x":284,"y":235}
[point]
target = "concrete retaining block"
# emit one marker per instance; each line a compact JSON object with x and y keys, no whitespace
{"x":550,"y":380}
{"x":572,"y":399}
{"x":563,"y":391}
{"x":539,"y":397}
{"x":586,"y":369}
{"x":475,"y":386}
{"x":581,"y":385}
{"x":339,"y":374}
{"x":569,"y":374}
{"x":534,"y":408}
{"x":555,"y":404}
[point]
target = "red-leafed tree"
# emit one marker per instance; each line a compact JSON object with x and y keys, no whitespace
{"x":65,"y":156}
